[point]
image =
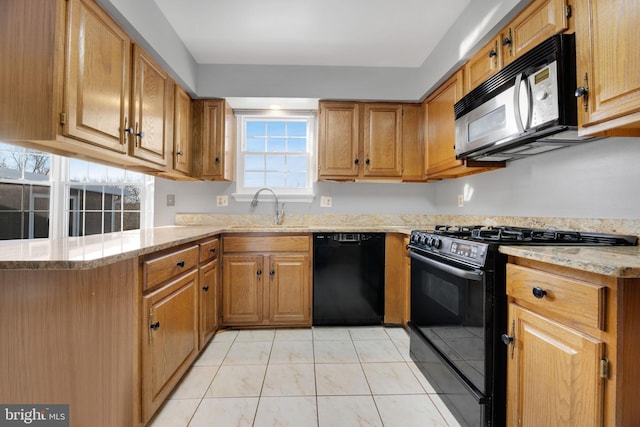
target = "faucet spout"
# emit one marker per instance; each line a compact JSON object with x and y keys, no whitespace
{"x":278,"y":209}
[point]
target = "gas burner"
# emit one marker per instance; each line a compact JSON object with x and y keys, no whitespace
{"x":455,"y":230}
{"x":538,"y":236}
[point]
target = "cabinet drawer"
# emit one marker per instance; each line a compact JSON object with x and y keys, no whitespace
{"x":266,"y":243}
{"x":158,"y":269}
{"x":571,"y":301}
{"x":209,"y":249}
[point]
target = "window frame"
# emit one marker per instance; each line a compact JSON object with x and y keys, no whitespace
{"x":285,"y":194}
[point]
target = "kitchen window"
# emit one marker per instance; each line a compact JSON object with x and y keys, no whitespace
{"x":44,"y":195}
{"x":276,"y":151}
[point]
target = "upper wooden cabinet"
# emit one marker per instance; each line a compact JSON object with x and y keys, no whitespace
{"x":339,"y":139}
{"x":366,"y":140}
{"x":484,"y":64}
{"x":412,"y":142}
{"x":440,"y":135}
{"x":536,"y":23}
{"x":151,"y":126}
{"x":382,"y":140}
{"x":608,"y":64}
{"x":214,"y":139}
{"x":68,"y":85}
{"x":182,"y":149}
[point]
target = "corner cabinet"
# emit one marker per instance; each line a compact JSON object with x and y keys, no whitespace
{"x":266,"y":280}
{"x":608,"y":60}
{"x":440,"y":135}
{"x":72,"y":90}
{"x":566,"y":362}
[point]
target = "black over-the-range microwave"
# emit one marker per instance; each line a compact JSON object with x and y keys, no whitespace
{"x":529,"y":107}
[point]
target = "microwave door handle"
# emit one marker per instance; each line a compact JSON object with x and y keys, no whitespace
{"x":475,"y":275}
{"x":516,"y":103}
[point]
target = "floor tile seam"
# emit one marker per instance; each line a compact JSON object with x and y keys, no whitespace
{"x":444,"y":418}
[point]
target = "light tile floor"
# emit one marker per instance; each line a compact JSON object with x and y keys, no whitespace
{"x":305,"y":377}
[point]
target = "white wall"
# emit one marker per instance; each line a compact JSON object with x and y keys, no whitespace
{"x":599,"y":179}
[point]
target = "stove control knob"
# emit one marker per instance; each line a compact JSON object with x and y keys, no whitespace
{"x":423,"y":239}
{"x":436,"y":243}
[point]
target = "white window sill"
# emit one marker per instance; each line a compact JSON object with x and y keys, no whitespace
{"x":288,"y":198}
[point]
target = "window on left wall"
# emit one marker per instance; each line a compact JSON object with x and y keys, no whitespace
{"x":47,"y":196}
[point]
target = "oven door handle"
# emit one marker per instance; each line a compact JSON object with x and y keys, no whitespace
{"x":476,"y":275}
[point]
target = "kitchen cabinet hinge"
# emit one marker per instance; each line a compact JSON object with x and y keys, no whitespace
{"x":604,"y":368}
{"x":568,"y":11}
{"x":63,"y":118}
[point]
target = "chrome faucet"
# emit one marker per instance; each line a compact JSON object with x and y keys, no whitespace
{"x":279,"y":210}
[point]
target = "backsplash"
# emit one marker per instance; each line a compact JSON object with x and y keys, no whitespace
{"x":617,"y":226}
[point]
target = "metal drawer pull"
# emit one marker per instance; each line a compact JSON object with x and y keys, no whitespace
{"x":180,"y":264}
{"x":205,"y":288}
{"x":155,"y":326}
{"x":539,"y":292}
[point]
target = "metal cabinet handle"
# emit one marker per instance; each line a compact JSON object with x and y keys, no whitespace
{"x":583,"y":91}
{"x":356,"y":161}
{"x":217,"y":160}
{"x":272,"y":273}
{"x":205,"y":288}
{"x":367,"y":161}
{"x":493,"y":53}
{"x":180,"y":264}
{"x":509,"y":340}
{"x":179,"y":153}
{"x":259,"y":273}
{"x":154,"y":326}
{"x":539,"y":292}
{"x":212,"y":250}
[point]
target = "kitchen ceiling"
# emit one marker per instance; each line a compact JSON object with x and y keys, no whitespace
{"x":362,"y":33}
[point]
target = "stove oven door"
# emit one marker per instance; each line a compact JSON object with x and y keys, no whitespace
{"x":450,"y":327}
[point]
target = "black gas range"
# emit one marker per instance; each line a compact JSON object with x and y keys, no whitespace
{"x":459,"y":310}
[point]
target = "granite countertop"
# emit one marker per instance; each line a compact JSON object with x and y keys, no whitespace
{"x":616,"y":261}
{"x":96,"y":250}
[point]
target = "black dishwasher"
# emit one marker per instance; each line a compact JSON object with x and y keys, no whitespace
{"x":348,"y":279}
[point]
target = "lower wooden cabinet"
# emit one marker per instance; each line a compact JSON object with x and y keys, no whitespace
{"x":572,"y":344}
{"x":209,"y":290}
{"x":554,"y":373}
{"x":266,"y":280}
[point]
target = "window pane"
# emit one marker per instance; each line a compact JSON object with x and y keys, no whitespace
{"x":78,"y":170}
{"x":253,"y":162}
{"x":10,"y":225}
{"x":256,"y":144}
{"x":297,"y":129}
{"x":256,"y":128}
{"x":276,"y":128}
{"x":109,"y":222}
{"x":39,"y":223}
{"x":254,"y":179}
{"x":131,"y":220}
{"x":297,"y":145}
{"x":115,"y":175}
{"x":97,"y":173}
{"x":75,"y":223}
{"x":275,"y":179}
{"x":277,"y":144}
{"x":296,"y":163}
{"x":11,"y":196}
{"x":94,"y":198}
{"x":132,"y":198}
{"x":37,"y":167}
{"x":10,"y":165}
{"x":297,"y":179}
{"x":92,"y":223}
{"x":275,"y":163}
{"x":134,"y":177}
{"x":40,"y":197}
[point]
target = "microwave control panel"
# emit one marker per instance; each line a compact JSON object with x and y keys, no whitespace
{"x":543,"y":86}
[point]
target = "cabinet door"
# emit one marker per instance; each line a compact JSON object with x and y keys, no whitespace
{"x":97,"y":83}
{"x":553,"y":376}
{"x":383,"y":139}
{"x":412,"y":143}
{"x":290,"y":289}
{"x":608,"y":63}
{"x":217,"y":141}
{"x":484,"y":64}
{"x":242,"y":289}
{"x":209,"y":291}
{"x":182,"y":132}
{"x":441,"y":128}
{"x":338,"y":139}
{"x":169,"y":338}
{"x":539,"y":21}
{"x":152,"y":109}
